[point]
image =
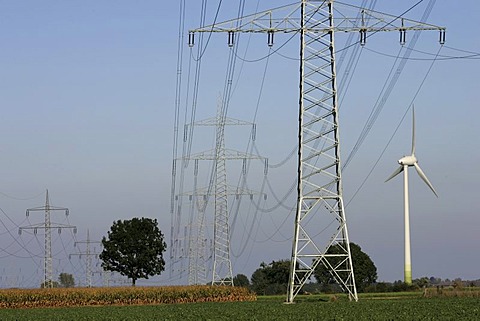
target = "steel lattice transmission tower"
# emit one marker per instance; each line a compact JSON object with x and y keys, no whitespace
{"x":47,"y":226}
{"x":222,"y":265}
{"x":320,"y":221}
{"x":197,"y":250}
{"x":222,"y":273}
{"x":88,"y":254}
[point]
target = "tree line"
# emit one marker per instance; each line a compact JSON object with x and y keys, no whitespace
{"x":273,"y":278}
{"x":134,"y":248}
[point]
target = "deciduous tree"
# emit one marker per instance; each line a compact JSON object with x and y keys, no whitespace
{"x":134,"y":248}
{"x":66,"y":280}
{"x":49,"y":284}
{"x":241,"y":280}
{"x":271,"y":278}
{"x":364,"y":269}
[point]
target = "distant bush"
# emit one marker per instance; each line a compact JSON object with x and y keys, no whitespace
{"x":440,"y":291}
{"x":397,"y":286}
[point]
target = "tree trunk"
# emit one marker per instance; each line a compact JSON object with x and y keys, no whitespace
{"x":133,"y":282}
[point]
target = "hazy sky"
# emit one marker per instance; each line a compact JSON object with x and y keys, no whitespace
{"x":88,"y":100}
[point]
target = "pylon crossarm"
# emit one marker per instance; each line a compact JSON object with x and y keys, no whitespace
{"x":280,"y":19}
{"x":213,"y":121}
{"x":47,"y":208}
{"x":371,"y":20}
{"x":231,"y":190}
{"x":230,"y":154}
{"x":286,"y":19}
{"x":33,"y":226}
{"x":42,"y":226}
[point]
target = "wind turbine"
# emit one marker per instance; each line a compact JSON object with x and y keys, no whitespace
{"x":405,"y":162}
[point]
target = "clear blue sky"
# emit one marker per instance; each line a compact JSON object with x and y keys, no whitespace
{"x":87,"y":90}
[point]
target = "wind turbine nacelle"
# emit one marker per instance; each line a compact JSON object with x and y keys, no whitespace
{"x":408,"y":160}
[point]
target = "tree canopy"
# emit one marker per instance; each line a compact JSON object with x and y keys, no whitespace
{"x":364,"y":269}
{"x":49,"y":284}
{"x":271,"y":278}
{"x":241,"y":280}
{"x":66,"y":280}
{"x":134,"y":248}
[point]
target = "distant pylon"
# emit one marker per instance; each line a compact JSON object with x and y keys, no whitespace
{"x":47,"y":226}
{"x":222,"y":272}
{"x":88,"y":254}
{"x":197,"y":251}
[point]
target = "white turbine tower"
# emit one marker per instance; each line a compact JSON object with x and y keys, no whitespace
{"x":406,"y":162}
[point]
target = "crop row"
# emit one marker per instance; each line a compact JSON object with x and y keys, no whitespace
{"x":451,"y":292}
{"x":61,"y":297}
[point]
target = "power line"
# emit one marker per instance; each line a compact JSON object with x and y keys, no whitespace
{"x":393,"y":134}
{"x":462,"y":50}
{"x":21,"y":198}
{"x":204,"y":5}
{"x":387,"y":89}
{"x":441,"y":58}
{"x":14,"y":238}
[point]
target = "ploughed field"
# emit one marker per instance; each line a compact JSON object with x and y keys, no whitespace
{"x":390,"y":306}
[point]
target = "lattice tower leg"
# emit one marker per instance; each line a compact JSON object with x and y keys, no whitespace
{"x":48,"y":268}
{"x":320,"y":222}
{"x":222,"y":266}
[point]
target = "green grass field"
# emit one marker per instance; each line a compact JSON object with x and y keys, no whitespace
{"x":370,"y":307}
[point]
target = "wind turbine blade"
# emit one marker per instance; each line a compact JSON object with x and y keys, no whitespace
{"x":397,"y":171}
{"x":413,"y":130}
{"x":425,"y":179}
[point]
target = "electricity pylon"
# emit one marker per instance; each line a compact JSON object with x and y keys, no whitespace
{"x":222,"y":273}
{"x":198,"y":253}
{"x":47,"y":226}
{"x":196,"y":246}
{"x":320,"y":221}
{"x":88,"y":254}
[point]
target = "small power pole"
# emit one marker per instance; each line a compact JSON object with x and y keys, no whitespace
{"x":88,"y":254}
{"x":47,"y":226}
